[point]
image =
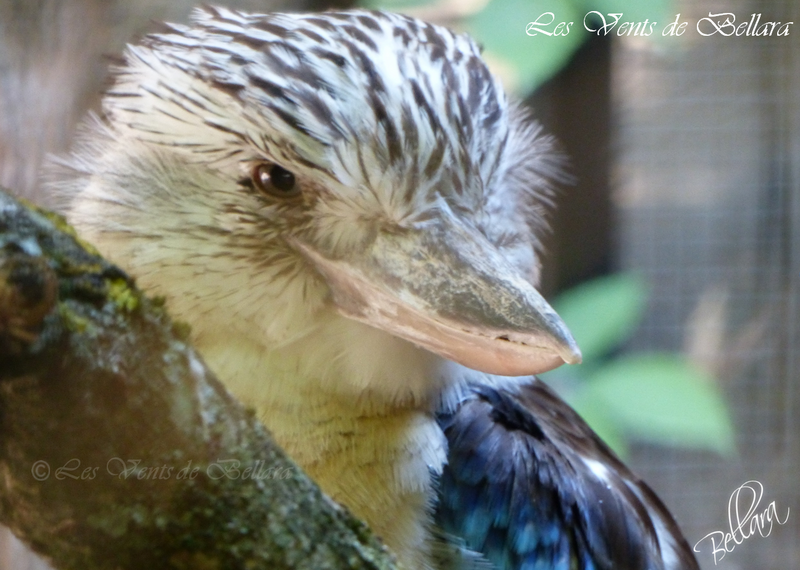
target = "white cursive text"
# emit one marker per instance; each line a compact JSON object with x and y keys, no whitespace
{"x":743,"y":520}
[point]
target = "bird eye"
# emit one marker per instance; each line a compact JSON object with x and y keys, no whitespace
{"x":275,"y":181}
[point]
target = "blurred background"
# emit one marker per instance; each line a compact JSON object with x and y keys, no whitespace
{"x":674,"y":257}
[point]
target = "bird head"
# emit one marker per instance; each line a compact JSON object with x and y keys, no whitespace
{"x":280,"y":165}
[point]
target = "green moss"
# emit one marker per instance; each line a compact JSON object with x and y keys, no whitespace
{"x":181,"y":330}
{"x":122,"y":295}
{"x":74,"y":322}
{"x":60,"y":222}
{"x":70,"y":268}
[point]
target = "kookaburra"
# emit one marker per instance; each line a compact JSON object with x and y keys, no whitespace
{"x":345,"y":207}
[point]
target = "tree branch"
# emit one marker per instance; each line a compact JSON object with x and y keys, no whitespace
{"x":119,"y":448}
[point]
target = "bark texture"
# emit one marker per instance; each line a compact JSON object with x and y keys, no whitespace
{"x":118,"y":447}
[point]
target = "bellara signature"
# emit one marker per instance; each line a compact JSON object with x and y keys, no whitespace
{"x":723,"y":24}
{"x":743,"y":522}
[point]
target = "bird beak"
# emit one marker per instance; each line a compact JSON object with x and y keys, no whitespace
{"x":446,"y":288}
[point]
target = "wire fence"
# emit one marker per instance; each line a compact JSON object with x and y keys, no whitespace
{"x":706,"y":196}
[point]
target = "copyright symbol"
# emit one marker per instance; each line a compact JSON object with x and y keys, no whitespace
{"x":40,"y":470}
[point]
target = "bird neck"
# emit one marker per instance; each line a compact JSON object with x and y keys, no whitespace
{"x":353,"y":407}
{"x":332,"y":358}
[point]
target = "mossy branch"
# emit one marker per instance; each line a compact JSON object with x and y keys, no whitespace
{"x":119,"y":448}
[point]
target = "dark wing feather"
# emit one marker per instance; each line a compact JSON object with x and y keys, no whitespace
{"x":530,"y":486}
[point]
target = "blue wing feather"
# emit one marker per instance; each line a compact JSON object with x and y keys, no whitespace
{"x":531,"y":487}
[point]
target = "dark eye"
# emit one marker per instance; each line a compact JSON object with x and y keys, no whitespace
{"x":275,"y":181}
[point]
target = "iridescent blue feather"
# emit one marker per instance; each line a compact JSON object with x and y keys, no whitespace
{"x":531,"y":487}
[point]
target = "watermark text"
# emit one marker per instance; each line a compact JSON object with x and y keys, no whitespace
{"x":745,"y":520}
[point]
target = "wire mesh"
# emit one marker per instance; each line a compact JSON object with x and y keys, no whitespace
{"x":706,"y":199}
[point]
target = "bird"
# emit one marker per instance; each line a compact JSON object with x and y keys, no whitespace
{"x":348,"y":209}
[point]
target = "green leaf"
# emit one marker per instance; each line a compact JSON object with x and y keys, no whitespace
{"x":603,"y":312}
{"x":394,"y":5}
{"x":662,"y":397}
{"x":523,"y":62}
{"x":636,"y":11}
{"x":599,"y":418}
